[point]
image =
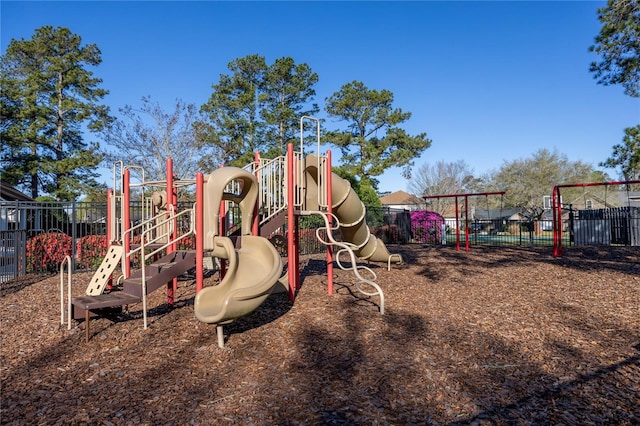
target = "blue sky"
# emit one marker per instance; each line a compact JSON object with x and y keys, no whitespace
{"x":487,"y":81}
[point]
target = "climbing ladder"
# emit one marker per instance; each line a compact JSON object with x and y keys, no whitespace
{"x":347,"y":248}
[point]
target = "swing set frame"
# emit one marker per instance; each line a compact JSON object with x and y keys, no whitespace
{"x":466,"y":211}
{"x":557,"y":208}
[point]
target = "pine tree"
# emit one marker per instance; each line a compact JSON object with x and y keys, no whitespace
{"x":48,"y":95}
{"x":373,"y":141}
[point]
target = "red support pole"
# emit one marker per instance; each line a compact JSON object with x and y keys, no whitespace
{"x":466,"y":223}
{"x":556,"y":209}
{"x":172,"y":285}
{"x":466,"y":216}
{"x":292,"y":269}
{"x":457,"y":227}
{"x":255,"y":230}
{"x":199,"y":231}
{"x":110,"y":222}
{"x":126,"y":219}
{"x":329,"y":181}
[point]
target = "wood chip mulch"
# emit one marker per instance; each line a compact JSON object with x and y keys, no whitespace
{"x":493,"y":336}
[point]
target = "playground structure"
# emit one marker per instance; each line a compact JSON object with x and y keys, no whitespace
{"x":271,"y":194}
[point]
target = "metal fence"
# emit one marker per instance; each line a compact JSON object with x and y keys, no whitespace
{"x":73,"y":219}
{"x":13,"y":245}
{"x":396,"y":227}
{"x":22,"y":222}
{"x":613,"y":226}
{"x":501,"y":232}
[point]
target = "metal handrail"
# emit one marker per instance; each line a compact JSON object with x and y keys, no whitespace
{"x":143,"y":237}
{"x":167,"y":220}
{"x":321,"y":163}
{"x":271,"y":175}
{"x":65,"y":261}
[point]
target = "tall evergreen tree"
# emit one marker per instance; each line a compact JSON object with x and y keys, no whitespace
{"x":618,"y":45}
{"x":372,"y":141}
{"x":48,"y":94}
{"x":288,"y":88}
{"x":232,"y":111}
{"x":627,"y":154}
{"x":257,"y":107}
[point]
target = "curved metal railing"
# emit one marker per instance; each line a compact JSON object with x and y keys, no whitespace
{"x":345,"y":247}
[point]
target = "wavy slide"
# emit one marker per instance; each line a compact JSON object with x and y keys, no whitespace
{"x":252,"y":270}
{"x":351,"y":213}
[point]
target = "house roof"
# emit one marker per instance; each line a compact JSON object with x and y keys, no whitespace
{"x":400,"y":198}
{"x":9,"y":193}
{"x":490,"y":214}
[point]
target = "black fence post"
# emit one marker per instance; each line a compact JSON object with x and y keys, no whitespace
{"x":74,"y":236}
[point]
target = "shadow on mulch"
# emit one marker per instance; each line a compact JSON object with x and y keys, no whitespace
{"x":276,"y":306}
{"x":20,"y":283}
{"x":620,"y":259}
{"x":560,"y":393}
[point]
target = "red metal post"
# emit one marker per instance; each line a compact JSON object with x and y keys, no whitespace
{"x":329,"y":181}
{"x":291,"y":246}
{"x":466,"y":199}
{"x":256,"y":221}
{"x":199,"y":231}
{"x":466,"y":223}
{"x":457,"y":227}
{"x":126,"y":219}
{"x":556,"y":209}
{"x":171,"y":201}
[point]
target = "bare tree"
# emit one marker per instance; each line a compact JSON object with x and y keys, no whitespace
{"x":148,"y":136}
{"x":441,"y":178}
{"x":527,"y":180}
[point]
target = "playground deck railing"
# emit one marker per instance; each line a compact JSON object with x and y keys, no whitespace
{"x":157,"y":232}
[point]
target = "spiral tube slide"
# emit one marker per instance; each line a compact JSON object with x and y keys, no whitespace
{"x":349,"y":210}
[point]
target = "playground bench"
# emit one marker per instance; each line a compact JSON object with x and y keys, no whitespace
{"x":89,"y":304}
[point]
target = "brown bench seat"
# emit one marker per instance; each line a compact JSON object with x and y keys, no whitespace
{"x":88,"y":304}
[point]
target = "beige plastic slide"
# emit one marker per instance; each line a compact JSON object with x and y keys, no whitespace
{"x":351,"y":213}
{"x":252,"y":270}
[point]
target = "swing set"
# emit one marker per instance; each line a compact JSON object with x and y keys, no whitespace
{"x":466,"y":197}
{"x":557,"y":207}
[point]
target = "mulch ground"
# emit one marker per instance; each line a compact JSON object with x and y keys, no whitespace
{"x":493,"y":336}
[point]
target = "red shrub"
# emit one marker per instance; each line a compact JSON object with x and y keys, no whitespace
{"x":46,"y":251}
{"x":91,"y":251}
